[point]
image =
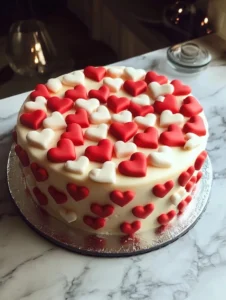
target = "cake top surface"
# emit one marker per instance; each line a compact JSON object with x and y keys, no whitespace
{"x":113,"y":125}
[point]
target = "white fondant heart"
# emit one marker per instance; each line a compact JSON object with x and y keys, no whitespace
{"x":141,"y":100}
{"x":54,"y":85}
{"x":115,"y":72}
{"x":74,"y":78}
{"x":167,"y":118}
{"x":78,"y":166}
{"x":147,"y":121}
{"x":124,"y":149}
{"x":160,"y":90}
{"x":106,"y":174}
{"x":123,"y":117}
{"x":134,"y":74}
{"x":89,"y":105}
{"x":68,"y":215}
{"x":97,"y":133}
{"x":40,"y":139}
{"x":177,"y":197}
{"x":161,"y":158}
{"x":102,"y":115}
{"x":55,"y":121}
{"x":160,"y":98}
{"x":39,"y":103}
{"x":114,"y":84}
{"x":193,"y":141}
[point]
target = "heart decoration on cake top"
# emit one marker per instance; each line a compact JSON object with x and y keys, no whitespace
{"x":161,"y":158}
{"x":97,"y":133}
{"x":102,"y":94}
{"x":135,"y":88}
{"x":122,"y":117}
{"x":40,"y":90}
{"x":101,"y":152}
{"x":80,"y":117}
{"x":135,"y":167}
{"x":147,"y":139}
{"x":106,"y":174}
{"x":39,"y":103}
{"x":123,"y":131}
{"x":172,"y":137}
{"x":101,"y":115}
{"x":195,"y":125}
{"x":152,"y":76}
{"x":74,"y":78}
{"x":64,"y":151}
{"x":117,"y":104}
{"x":140,"y":110}
{"x":114,"y":84}
{"x":190,"y":107}
{"x":193,"y":141}
{"x":167,"y":118}
{"x":55,"y":121}
{"x":168,"y":103}
{"x":142,"y":99}
{"x":79,"y":91}
{"x":115,"y":72}
{"x":33,"y":120}
{"x":95,"y":73}
{"x":78,"y":166}
{"x":148,"y":121}
{"x":157,"y":89}
{"x":134,"y":74}
{"x":90,"y":105}
{"x":180,"y":89}
{"x":58,"y":104}
{"x":124,"y":149}
{"x":74,"y":133}
{"x":54,"y":85}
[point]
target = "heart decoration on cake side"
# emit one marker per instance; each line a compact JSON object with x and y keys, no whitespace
{"x":135,"y":88}
{"x":124,"y":116}
{"x":189,"y":186}
{"x":60,"y":105}
{"x":122,"y":149}
{"x":14,"y":135}
{"x":101,"y":115}
{"x":57,"y":195}
{"x":157,"y":89}
{"x":33,"y":120}
{"x":95,"y":223}
{"x":102,"y":94}
{"x":152,"y":76}
{"x":97,"y":133}
{"x":148,"y":121}
{"x":74,"y":133}
{"x":101,"y":152}
{"x":78,"y":166}
{"x":117,"y":104}
{"x":39,"y":103}
{"x":114,"y":84}
{"x":161,"y":190}
{"x":180,"y":89}
{"x":40,"y":90}
{"x":161,"y":158}
{"x":122,"y":198}
{"x":90,"y":105}
{"x":106,"y":174}
{"x":102,"y":211}
{"x":55,"y":121}
{"x":135,"y":167}
{"x":164,"y":219}
{"x":198,"y":176}
{"x":142,"y":99}
{"x":147,"y":139}
{"x":123,"y":131}
{"x":68,"y":215}
{"x":80,"y":117}
{"x":78,"y":193}
{"x":130,"y":228}
{"x":200,"y":160}
{"x":41,"y":139}
{"x":190,"y":107}
{"x":178,"y":196}
{"x":169,"y":103}
{"x":54,"y":85}
{"x":74,"y":78}
{"x":39,"y":172}
{"x":195,"y":125}
{"x":193,"y":141}
{"x":95,"y":73}
{"x":143,"y":211}
{"x":41,"y":197}
{"x":172,"y":137}
{"x":183,"y":204}
{"x":140,"y":110}
{"x":134,"y":74}
{"x":79,"y":91}
{"x":167,"y":118}
{"x":22,"y":155}
{"x":64,"y":151}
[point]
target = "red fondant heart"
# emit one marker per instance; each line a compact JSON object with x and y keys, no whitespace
{"x":95,"y":73}
{"x":183,"y":204}
{"x":74,"y":133}
{"x":169,"y":103}
{"x":57,"y":195}
{"x":42,"y":199}
{"x":100,"y":153}
{"x":173,"y":137}
{"x":152,"y":76}
{"x":135,"y":88}
{"x":102,"y":211}
{"x":190,"y":107}
{"x":39,"y":173}
{"x":122,"y":198}
{"x":190,"y":184}
{"x":147,"y":139}
{"x":58,"y":104}
{"x":140,"y":110}
{"x":79,"y":91}
{"x":143,"y":211}
{"x":195,"y":125}
{"x":80,"y":117}
{"x":200,"y":160}
{"x":198,"y":176}
{"x":64,"y":151}
{"x":130,"y":228}
{"x":22,"y":155}
{"x":34,"y":119}
{"x":40,"y":90}
{"x":95,"y":223}
{"x":135,"y":167}
{"x":123,"y":131}
{"x":180,"y":89}
{"x":102,"y":94}
{"x":161,"y":190}
{"x":117,"y":104}
{"x":185,"y":176}
{"x":14,"y":134}
{"x":77,"y":192}
{"x":164,"y":219}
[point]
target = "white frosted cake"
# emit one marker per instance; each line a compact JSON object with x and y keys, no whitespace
{"x":112,"y":150}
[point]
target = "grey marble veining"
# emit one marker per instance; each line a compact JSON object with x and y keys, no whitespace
{"x":193,"y":268}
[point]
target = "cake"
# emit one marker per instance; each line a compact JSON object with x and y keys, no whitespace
{"x":112,"y":150}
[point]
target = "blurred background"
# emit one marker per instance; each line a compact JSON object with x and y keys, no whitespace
{"x":40,"y":39}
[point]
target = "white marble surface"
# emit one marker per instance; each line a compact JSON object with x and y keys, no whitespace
{"x":194,"y":267}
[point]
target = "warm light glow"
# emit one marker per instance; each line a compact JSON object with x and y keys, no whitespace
{"x":206,"y":20}
{"x":177,"y":19}
{"x":180,"y":10}
{"x":32,"y":49}
{"x":202,"y":23}
{"x":37,"y":46}
{"x":36,"y":60}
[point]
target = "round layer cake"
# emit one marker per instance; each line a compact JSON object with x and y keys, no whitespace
{"x":112,"y":150}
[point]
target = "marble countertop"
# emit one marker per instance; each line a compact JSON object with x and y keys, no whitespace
{"x":194,"y":267}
